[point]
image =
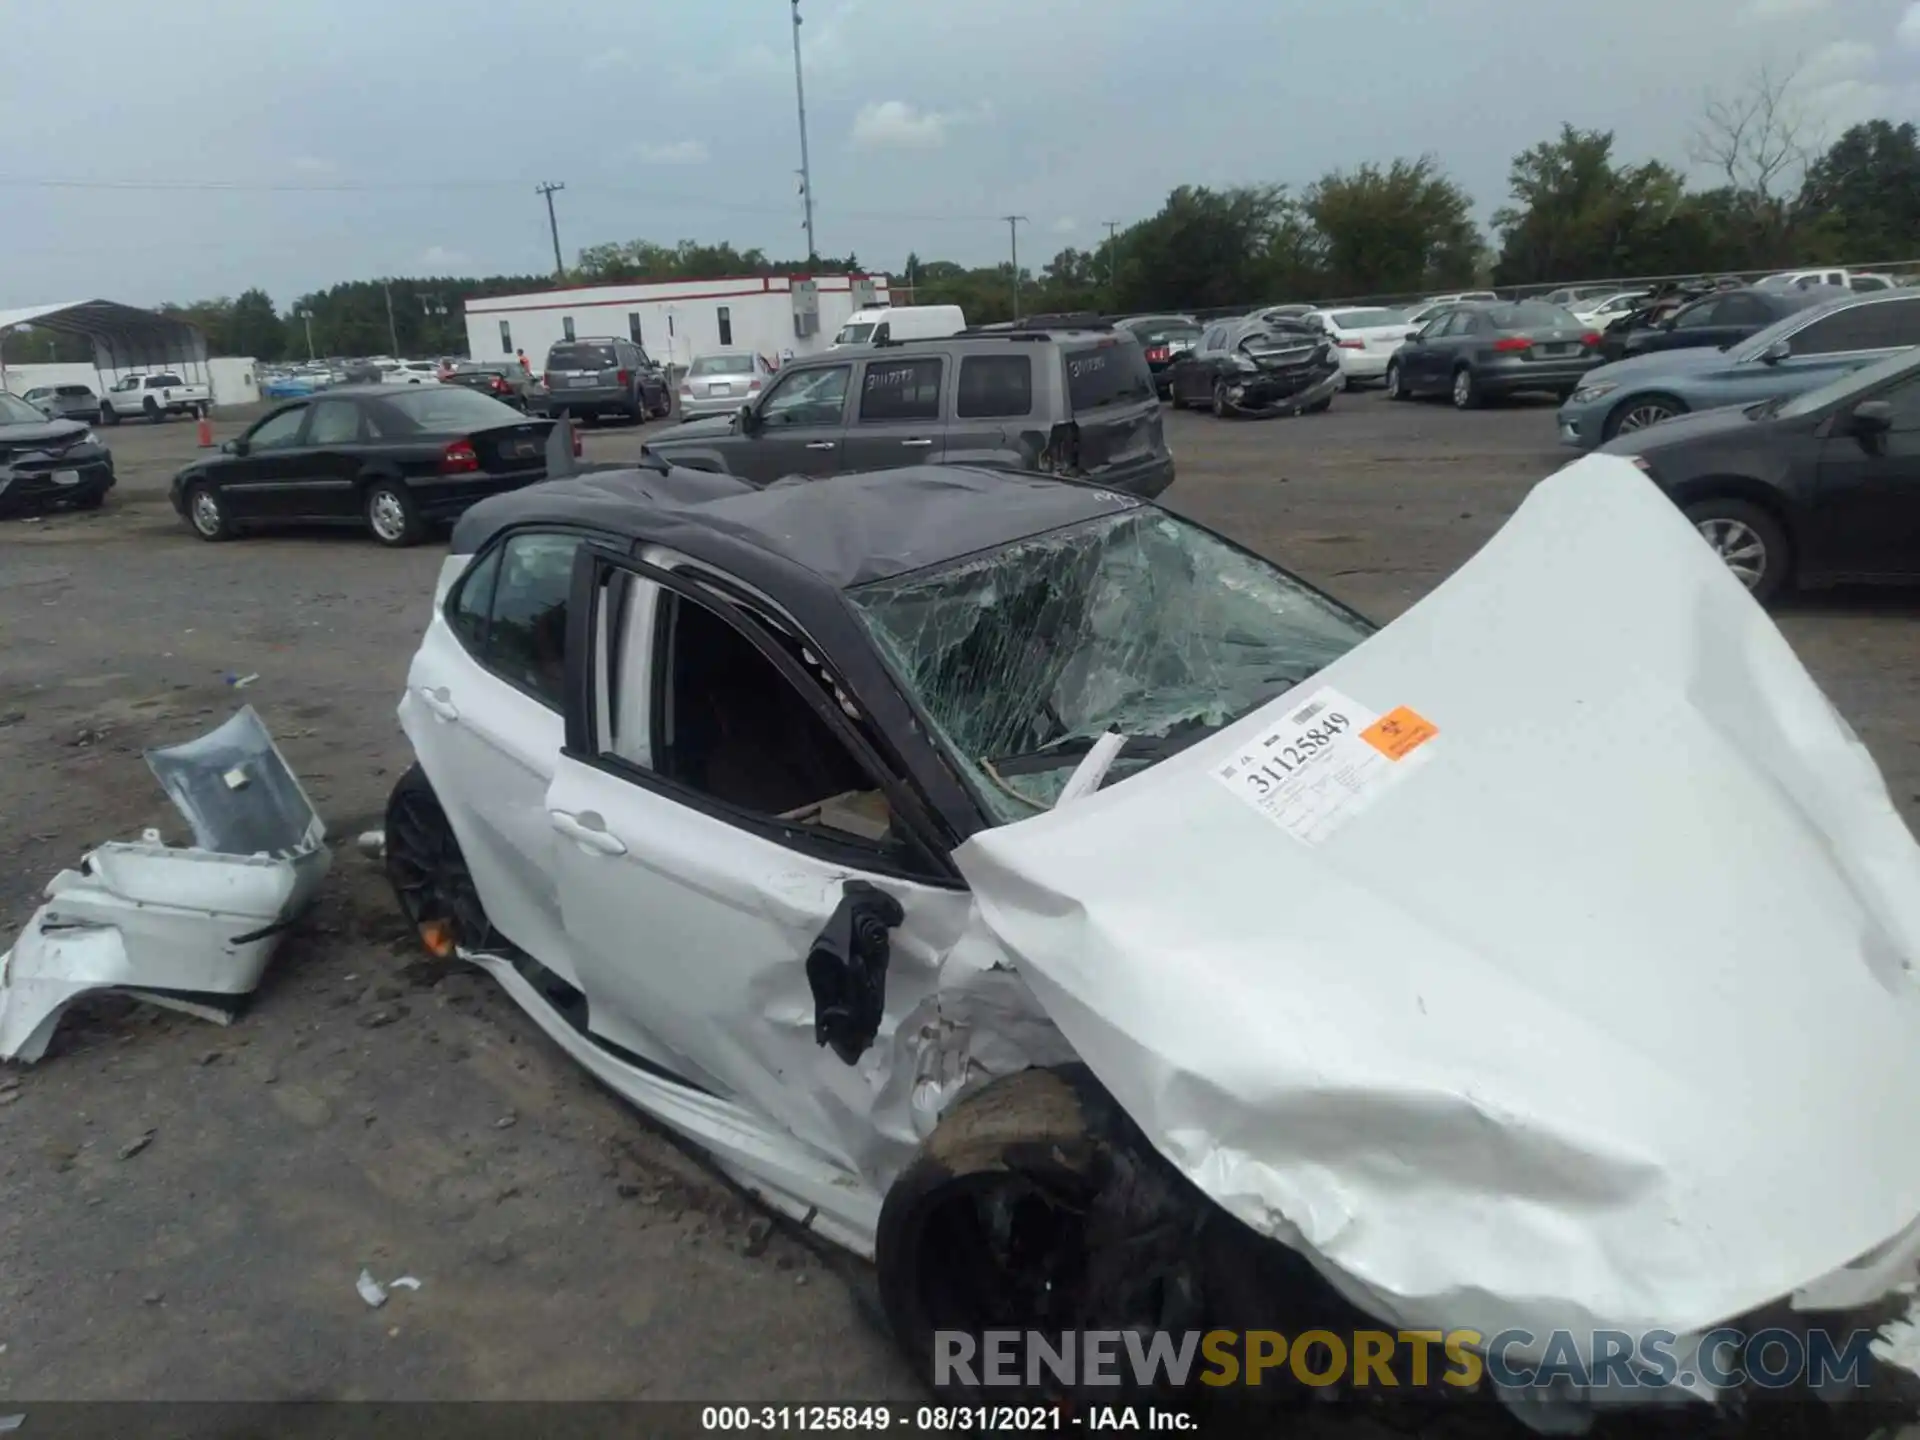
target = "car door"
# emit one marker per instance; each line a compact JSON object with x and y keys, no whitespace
{"x":1866,"y":510}
{"x":1194,"y":371}
{"x":258,"y":481}
{"x":1422,"y":360}
{"x":336,"y":446}
{"x":992,"y":400}
{"x":798,"y":429}
{"x":483,"y":712}
{"x":898,"y":417}
{"x":721,"y":824}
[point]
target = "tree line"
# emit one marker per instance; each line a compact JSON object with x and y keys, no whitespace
{"x":1574,"y":211}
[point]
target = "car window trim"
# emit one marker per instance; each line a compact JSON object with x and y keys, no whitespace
{"x":499,"y":543}
{"x":582,"y":743}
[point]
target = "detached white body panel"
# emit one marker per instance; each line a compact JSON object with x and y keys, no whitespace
{"x":1602,"y":1015}
{"x":173,"y":924}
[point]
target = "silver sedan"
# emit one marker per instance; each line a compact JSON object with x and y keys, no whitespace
{"x":720,"y":384}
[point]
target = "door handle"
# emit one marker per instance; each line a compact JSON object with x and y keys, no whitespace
{"x":439,"y":702}
{"x":589,"y":830}
{"x":820,"y":444}
{"x":917,"y":444}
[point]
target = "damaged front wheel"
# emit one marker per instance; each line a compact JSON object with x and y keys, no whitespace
{"x":429,"y":873}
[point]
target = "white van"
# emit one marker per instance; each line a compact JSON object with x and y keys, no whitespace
{"x":892,"y":324}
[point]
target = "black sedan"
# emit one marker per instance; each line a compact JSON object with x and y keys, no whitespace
{"x":1717,"y":317}
{"x":1256,"y":367}
{"x":393,"y":459}
{"x":46,"y":463}
{"x":504,"y":381}
{"x":1813,"y":489}
{"x":1479,"y":350}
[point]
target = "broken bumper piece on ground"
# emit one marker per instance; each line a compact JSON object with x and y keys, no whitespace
{"x":188,"y":927}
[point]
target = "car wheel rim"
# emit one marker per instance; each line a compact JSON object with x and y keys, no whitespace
{"x":206,"y":513}
{"x":430,"y":877}
{"x":1739,"y":547}
{"x":389,"y":517}
{"x":1462,"y":388}
{"x":1393,"y":383}
{"x":1642,"y":416}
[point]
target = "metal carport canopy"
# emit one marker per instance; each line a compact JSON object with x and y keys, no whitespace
{"x":124,"y":337}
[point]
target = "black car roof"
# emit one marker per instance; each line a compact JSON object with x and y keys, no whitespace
{"x":828,"y":534}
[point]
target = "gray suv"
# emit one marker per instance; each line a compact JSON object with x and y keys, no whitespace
{"x":1076,"y":401}
{"x":605,"y":375}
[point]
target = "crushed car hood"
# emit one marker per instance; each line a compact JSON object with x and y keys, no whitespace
{"x":57,"y":433}
{"x":1593,"y":1008}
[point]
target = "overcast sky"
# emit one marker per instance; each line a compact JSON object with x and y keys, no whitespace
{"x":407,"y":135}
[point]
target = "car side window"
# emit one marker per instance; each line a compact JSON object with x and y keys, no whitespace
{"x":994,"y":386}
{"x":279,"y":430}
{"x":1857,"y":327}
{"x":335,"y":422}
{"x":510,"y":611}
{"x":1893,"y":324}
{"x":731,"y":728}
{"x":1698,"y":316}
{"x":901,"y":390}
{"x":807,"y":397}
{"x":1210,"y":341}
{"x":1741,"y":310}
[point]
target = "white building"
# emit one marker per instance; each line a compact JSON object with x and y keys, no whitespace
{"x":676,"y":320}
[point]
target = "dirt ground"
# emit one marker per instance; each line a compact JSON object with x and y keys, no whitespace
{"x":375,"y":1110}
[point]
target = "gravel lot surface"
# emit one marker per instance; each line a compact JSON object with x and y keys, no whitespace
{"x":375,"y":1110}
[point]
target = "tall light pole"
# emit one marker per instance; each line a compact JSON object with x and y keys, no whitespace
{"x":547,"y":188}
{"x":393,"y":331}
{"x":1113,"y":254}
{"x":306,"y":317}
{"x":1013,"y":238}
{"x":806,"y":168}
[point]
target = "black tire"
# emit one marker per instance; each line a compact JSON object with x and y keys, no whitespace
{"x":1466,"y":393}
{"x":91,"y":502}
{"x":155,"y":414}
{"x":1640,"y":411}
{"x":1318,"y":407}
{"x":392,"y":516}
{"x":1173,"y":398}
{"x":204,"y":513}
{"x":1220,"y":399}
{"x":1049,"y":1157}
{"x":109,"y":415}
{"x":1396,"y":385}
{"x":428,"y":872}
{"x":1750,"y":539}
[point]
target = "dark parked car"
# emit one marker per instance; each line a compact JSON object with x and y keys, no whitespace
{"x":1481,"y":350}
{"x":393,"y":459}
{"x":47,"y":462}
{"x":66,"y":402}
{"x":1163,"y":340}
{"x":1075,"y":401}
{"x":1717,"y":318}
{"x":1818,"y":488}
{"x":1258,"y":367}
{"x":606,"y":375}
{"x":503,"y":380}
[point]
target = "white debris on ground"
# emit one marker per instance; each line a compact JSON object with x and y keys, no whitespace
{"x":189,"y":927}
{"x":375,"y":1294}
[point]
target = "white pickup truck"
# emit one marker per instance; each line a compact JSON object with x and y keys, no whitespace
{"x":154,"y":396}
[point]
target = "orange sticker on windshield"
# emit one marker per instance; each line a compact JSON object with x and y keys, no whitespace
{"x":1399,"y":732}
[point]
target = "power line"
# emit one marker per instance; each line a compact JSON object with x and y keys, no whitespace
{"x":268,"y":187}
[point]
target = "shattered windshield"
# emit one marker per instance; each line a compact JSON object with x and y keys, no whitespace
{"x":1137,"y":622}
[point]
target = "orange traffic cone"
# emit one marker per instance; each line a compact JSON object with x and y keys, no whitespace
{"x":206,"y":430}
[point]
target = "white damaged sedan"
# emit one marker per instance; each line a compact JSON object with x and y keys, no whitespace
{"x":1024,"y":886}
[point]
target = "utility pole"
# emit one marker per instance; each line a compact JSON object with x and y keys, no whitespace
{"x":806,"y":169}
{"x":1113,"y":254}
{"x":393,"y":333}
{"x":1013,"y":237}
{"x":306,"y":317}
{"x":547,"y":188}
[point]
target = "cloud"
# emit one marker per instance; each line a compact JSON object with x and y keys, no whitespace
{"x":1837,"y":60}
{"x":1775,"y":9}
{"x":1065,"y":225}
{"x":313,"y":165}
{"x":896,"y":125}
{"x":614,"y":58}
{"x":442,"y":255}
{"x":1908,"y":31}
{"x":676,"y":152}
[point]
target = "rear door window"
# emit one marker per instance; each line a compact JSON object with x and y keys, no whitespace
{"x":901,"y":390}
{"x":995,"y":386}
{"x":1110,"y":373}
{"x":1877,"y":326}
